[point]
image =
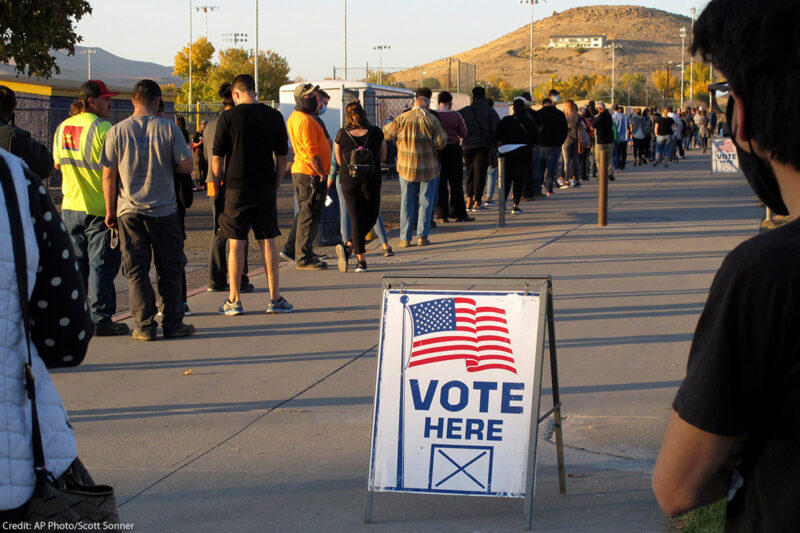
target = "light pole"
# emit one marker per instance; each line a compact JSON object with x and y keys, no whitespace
{"x":530,"y":66}
{"x":345,"y":39}
{"x":205,"y":10}
{"x":190,"y":55}
{"x":255,"y":56}
{"x":683,"y":53}
{"x":666,"y":90}
{"x":614,"y":47}
{"x":691,"y":62}
{"x":89,"y":52}
{"x":380,"y":48}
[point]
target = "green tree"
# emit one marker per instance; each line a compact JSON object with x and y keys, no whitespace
{"x":432,"y":83}
{"x":32,"y":28}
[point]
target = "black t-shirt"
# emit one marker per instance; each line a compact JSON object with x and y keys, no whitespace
{"x":665,"y":125}
{"x":247,"y":136}
{"x":743,"y":376}
{"x":346,"y":146}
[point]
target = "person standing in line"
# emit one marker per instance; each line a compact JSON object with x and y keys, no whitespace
{"x":571,"y":144}
{"x":419,"y":137}
{"x":77,"y":151}
{"x":664,"y":131}
{"x":139,"y":157}
{"x":359,"y":149}
{"x":553,"y":134}
{"x":604,"y":137}
{"x":703,"y":129}
{"x":20,"y":142}
{"x":217,"y":254}
{"x":637,"y":126}
{"x":200,"y":161}
{"x":481,"y":121}
{"x":733,"y":433}
{"x":451,"y":203}
{"x":676,"y":147}
{"x":249,"y":155}
{"x":288,"y":252}
{"x":621,"y":128}
{"x":312,"y":162}
{"x":516,"y":135}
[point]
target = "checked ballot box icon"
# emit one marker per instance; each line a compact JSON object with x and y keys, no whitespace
{"x":461,"y":469}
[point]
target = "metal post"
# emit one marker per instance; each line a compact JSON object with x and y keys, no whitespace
{"x":530,"y":81}
{"x":683,"y":53}
{"x":345,"y":41}
{"x":190,"y":55}
{"x":421,"y":73}
{"x":449,"y":73}
{"x":255,"y":58}
{"x":691,"y":63}
{"x":458,"y":76}
{"x":501,"y":195}
{"x":602,"y":199}
{"x":551,"y":337}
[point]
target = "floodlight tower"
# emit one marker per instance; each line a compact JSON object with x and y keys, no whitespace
{"x":89,"y":52}
{"x":380,"y":48}
{"x":691,"y":62}
{"x":204,"y":10}
{"x":530,"y":66}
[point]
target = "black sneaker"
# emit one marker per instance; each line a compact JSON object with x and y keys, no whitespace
{"x":361,"y":266}
{"x":287,"y":257}
{"x":184,"y":330}
{"x":247,"y":288}
{"x":314,"y":265}
{"x":465,"y":218}
{"x":110,"y":329}
{"x":279,"y":306}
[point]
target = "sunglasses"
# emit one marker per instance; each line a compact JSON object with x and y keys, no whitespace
{"x":720,"y":96}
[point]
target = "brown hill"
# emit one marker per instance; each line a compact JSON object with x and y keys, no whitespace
{"x":649,"y":38}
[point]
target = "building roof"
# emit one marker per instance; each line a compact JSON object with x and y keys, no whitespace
{"x":577,"y":36}
{"x":60,"y":87}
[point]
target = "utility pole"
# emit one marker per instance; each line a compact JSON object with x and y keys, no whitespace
{"x":190,"y":55}
{"x":89,"y":52}
{"x":683,"y":52}
{"x":530,"y":66}
{"x":449,"y":73}
{"x":380,"y":48}
{"x":614,"y":46}
{"x":255,"y":57}
{"x":691,"y":62}
{"x":345,"y":40}
{"x":666,"y":91}
{"x":205,"y":10}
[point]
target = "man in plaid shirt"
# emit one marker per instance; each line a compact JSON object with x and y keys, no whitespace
{"x":419,"y":137}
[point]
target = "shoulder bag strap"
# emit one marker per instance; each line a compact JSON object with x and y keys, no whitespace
{"x":21,"y":268}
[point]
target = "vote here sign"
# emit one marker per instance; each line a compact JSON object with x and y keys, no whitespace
{"x":724,"y":158}
{"x":455,"y":392}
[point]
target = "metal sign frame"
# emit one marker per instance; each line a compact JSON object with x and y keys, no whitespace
{"x":544,"y":286}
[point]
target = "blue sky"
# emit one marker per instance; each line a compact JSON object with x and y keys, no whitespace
{"x":310,"y":33}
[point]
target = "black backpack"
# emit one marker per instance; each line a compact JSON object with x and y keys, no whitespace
{"x":362,"y":161}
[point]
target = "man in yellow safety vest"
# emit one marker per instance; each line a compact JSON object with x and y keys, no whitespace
{"x":77,"y":146}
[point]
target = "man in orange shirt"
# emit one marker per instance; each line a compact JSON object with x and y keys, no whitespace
{"x":312,"y":162}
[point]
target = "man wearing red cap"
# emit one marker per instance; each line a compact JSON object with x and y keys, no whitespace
{"x":77,"y":146}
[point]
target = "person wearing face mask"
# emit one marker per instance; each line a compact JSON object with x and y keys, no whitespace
{"x":18,"y":141}
{"x":451,"y":190}
{"x":734,"y":430}
{"x":312,"y":163}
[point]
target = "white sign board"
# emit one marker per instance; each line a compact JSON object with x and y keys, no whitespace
{"x":455,"y":395}
{"x":723,"y":156}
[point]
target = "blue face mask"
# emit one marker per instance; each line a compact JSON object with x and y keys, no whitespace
{"x":322,"y":110}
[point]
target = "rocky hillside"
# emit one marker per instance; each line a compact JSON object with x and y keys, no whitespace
{"x":649,"y":38}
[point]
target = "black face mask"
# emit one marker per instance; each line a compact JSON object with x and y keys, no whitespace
{"x":307,"y":105}
{"x":759,"y":173}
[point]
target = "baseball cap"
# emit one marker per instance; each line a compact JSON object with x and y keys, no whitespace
{"x":95,"y":89}
{"x":304,"y":90}
{"x":553,"y":92}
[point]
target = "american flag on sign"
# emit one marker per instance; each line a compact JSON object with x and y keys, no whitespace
{"x":457,"y":328}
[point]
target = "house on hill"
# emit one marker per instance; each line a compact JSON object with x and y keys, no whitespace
{"x":577,"y":41}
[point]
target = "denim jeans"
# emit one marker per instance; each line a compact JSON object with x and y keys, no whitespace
{"x":491,"y":183}
{"x":550,"y":156}
{"x":344,"y":219}
{"x":663,"y":147}
{"x":412,"y":193}
{"x":98,"y":264}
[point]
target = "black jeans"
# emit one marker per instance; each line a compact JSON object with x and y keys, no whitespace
{"x":451,"y":204}
{"x":143,"y":238}
{"x":363,"y":199}
{"x":217,"y":256}
{"x":622,"y":151}
{"x":477,"y":162}
{"x":310,"y":193}
{"x":518,"y":166}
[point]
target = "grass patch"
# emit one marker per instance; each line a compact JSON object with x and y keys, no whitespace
{"x":708,"y":519}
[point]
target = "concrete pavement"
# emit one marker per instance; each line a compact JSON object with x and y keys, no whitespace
{"x":270,"y":431}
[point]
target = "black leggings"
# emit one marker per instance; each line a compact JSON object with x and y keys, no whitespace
{"x":477,"y":162}
{"x":451,"y":183}
{"x":363,"y":198}
{"x":518,"y":165}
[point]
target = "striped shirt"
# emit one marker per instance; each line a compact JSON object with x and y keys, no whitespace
{"x":419,"y":137}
